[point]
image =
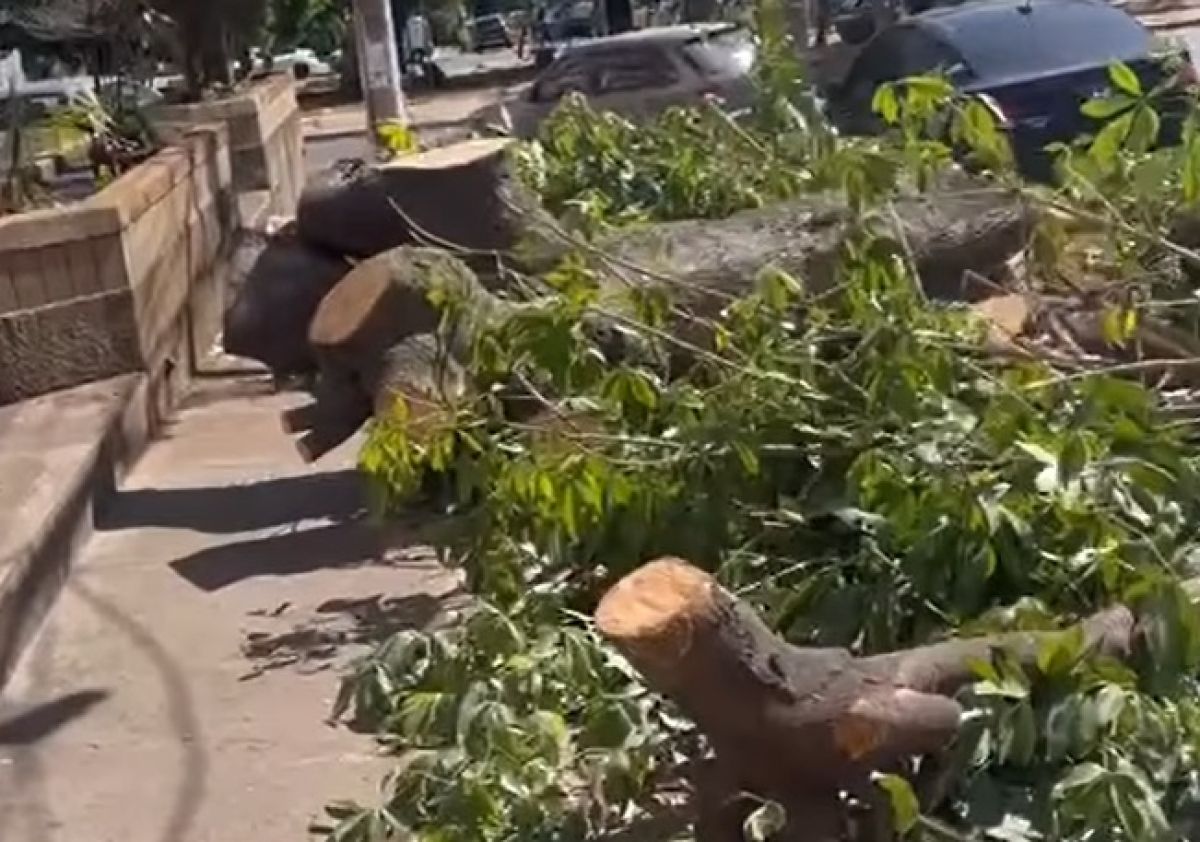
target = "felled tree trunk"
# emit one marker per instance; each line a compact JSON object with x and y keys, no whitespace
{"x":800,"y":725}
{"x":417,"y":370}
{"x":949,"y":235}
{"x":271,"y":311}
{"x":397,"y":324}
{"x":460,"y":197}
{"x":386,"y":299}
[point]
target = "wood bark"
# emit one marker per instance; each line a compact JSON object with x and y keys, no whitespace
{"x":269,"y":317}
{"x":460,"y":197}
{"x":799,"y":725}
{"x":949,"y":236}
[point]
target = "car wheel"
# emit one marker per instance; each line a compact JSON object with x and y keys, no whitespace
{"x":301,"y":71}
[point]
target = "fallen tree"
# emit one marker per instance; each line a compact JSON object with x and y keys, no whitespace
{"x":884,"y":489}
{"x":952,"y":238}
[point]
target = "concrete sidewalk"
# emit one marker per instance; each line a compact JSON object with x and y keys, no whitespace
{"x":177,"y":690}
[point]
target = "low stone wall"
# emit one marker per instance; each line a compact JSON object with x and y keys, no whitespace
{"x":129,"y":280}
{"x":266,"y":137}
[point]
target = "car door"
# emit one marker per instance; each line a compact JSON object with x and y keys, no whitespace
{"x":637,"y":80}
{"x":900,"y":52}
{"x":570,"y":73}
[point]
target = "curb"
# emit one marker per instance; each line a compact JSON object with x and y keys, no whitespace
{"x":32,"y":577}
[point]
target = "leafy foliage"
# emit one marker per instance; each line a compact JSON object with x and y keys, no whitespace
{"x":856,"y":466}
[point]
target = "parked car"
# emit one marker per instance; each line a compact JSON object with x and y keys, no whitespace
{"x":301,"y":63}
{"x":637,"y":74}
{"x":1035,"y":64}
{"x":489,"y":32}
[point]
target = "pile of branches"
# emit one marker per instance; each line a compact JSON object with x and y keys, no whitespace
{"x":925,"y":546}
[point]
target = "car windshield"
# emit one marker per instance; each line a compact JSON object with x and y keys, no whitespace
{"x":727,"y":52}
{"x":1003,"y":43}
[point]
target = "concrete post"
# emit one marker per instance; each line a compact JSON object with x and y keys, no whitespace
{"x":379,"y":63}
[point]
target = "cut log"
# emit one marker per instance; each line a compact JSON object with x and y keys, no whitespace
{"x":459,"y":197}
{"x":800,"y":725}
{"x":417,"y":370}
{"x":951,"y":236}
{"x":268,"y":320}
{"x":388,"y":298}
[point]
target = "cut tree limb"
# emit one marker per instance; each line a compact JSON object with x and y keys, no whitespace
{"x":951,"y":236}
{"x":390,"y":297}
{"x":799,"y":725}
{"x":460,"y":196}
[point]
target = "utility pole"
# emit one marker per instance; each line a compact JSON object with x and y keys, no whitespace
{"x":378,"y":63}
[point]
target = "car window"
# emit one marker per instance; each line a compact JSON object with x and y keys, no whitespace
{"x":727,"y":53}
{"x":568,"y":74}
{"x":633,"y":69}
{"x":922,"y":54}
{"x":1002,"y":43}
{"x":899,"y":53}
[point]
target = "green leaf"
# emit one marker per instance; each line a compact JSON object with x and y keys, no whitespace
{"x":1022,"y":735}
{"x":768,"y":819}
{"x":1102,"y":108}
{"x":1060,"y":652}
{"x":1190,"y":176}
{"x":1124,"y":79}
{"x":747,"y":457}
{"x":1082,"y":776}
{"x":1143,"y":131}
{"x":906,"y":810}
{"x":886,"y":104}
{"x":1109,"y":141}
{"x":609,"y":725}
{"x":554,"y":736}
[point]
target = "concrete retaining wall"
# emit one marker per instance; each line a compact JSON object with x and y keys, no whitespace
{"x":265,"y":137}
{"x":129,"y":280}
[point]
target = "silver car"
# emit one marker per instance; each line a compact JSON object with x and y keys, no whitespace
{"x":636,"y":74}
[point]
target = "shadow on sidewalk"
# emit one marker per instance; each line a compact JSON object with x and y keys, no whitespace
{"x":32,"y":726}
{"x":228,"y":509}
{"x":286,"y":553}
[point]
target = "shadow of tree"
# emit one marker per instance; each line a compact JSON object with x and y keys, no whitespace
{"x":228,"y":509}
{"x":288,"y":552}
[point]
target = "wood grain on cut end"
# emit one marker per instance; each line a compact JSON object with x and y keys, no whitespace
{"x":455,"y":155}
{"x":654,"y":611}
{"x":349,"y":305}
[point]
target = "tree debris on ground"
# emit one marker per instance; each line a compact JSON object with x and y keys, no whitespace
{"x":926,"y":440}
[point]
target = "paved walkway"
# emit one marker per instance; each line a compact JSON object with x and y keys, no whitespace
{"x":178,"y":689}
